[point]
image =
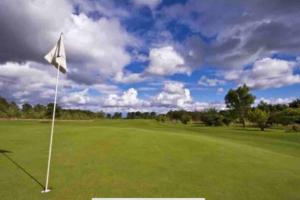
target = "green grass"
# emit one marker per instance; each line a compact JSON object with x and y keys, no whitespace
{"x":139,"y":158}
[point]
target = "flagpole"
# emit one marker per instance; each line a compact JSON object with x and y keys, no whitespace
{"x":51,"y":135}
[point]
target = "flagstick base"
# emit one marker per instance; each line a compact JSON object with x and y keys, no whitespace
{"x":46,"y":191}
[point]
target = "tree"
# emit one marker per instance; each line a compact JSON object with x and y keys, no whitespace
{"x":264,"y":106}
{"x":117,"y":115}
{"x":259,"y":117}
{"x":3,"y":107}
{"x":240,"y":101}
{"x":161,"y":118}
{"x":108,"y":116}
{"x":49,"y":111}
{"x":185,"y":118}
{"x":39,"y":111}
{"x":211,"y":117}
{"x":286,"y":117}
{"x":228,"y":117}
{"x":13,"y":110}
{"x":27,"y":110}
{"x":295,"y":104}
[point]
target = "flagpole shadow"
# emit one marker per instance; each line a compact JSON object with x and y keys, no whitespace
{"x":5,"y":154}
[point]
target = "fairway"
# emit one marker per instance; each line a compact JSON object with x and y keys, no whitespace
{"x":143,"y":158}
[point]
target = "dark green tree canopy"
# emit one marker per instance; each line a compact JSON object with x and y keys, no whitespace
{"x":240,"y":100}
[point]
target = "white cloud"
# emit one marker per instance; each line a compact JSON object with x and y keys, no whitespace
{"x":150,"y":3}
{"x":266,"y":73}
{"x":279,"y":100}
{"x":75,"y":98}
{"x":166,"y":61}
{"x":106,"y":8}
{"x":94,"y":47}
{"x":129,"y":77}
{"x":129,"y":98}
{"x":100,"y":45}
{"x":174,"y":94}
{"x":204,"y":81}
{"x":220,"y":90}
{"x":29,"y":82}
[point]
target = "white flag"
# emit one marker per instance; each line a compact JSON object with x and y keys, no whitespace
{"x":57,"y":56}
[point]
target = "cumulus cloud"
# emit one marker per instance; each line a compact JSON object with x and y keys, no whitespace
{"x":129,"y":98}
{"x":94,"y":46}
{"x":100,"y":47}
{"x":27,"y":81}
{"x":204,"y":81}
{"x":267,"y":73}
{"x":174,"y":94}
{"x":166,"y":61}
{"x":247,"y":31}
{"x":279,"y":100}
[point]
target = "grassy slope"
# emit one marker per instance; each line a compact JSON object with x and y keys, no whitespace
{"x":146,"y":159}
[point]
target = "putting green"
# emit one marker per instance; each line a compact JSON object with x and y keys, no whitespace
{"x":142,"y":158}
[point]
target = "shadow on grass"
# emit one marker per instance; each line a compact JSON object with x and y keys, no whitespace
{"x":5,"y":154}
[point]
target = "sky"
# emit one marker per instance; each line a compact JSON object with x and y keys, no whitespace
{"x":150,"y":55}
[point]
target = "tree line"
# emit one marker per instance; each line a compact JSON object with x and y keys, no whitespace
{"x":27,"y":111}
{"x":239,"y":103}
{"x":240,"y":110}
{"x":10,"y":110}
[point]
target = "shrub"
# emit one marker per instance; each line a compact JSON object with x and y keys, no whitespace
{"x":259,"y":117}
{"x":185,"y":118}
{"x":211,"y":117}
{"x":286,"y":117}
{"x":293,"y":128}
{"x":161,"y":118}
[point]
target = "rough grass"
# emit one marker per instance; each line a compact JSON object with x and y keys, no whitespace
{"x":140,"y":158}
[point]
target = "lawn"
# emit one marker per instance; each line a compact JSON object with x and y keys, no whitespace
{"x":140,"y":158}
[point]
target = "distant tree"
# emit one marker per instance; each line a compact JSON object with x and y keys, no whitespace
{"x":259,"y":117}
{"x":295,"y":104}
{"x":161,"y":118}
{"x":228,"y":116}
{"x":117,"y":115}
{"x":108,"y":116}
{"x":185,"y":118}
{"x":49,"y":111}
{"x":100,"y":115}
{"x":39,"y":111}
{"x":196,"y":116}
{"x":152,"y":115}
{"x":175,"y":115}
{"x":264,"y":106}
{"x":286,"y":117}
{"x":212,"y":117}
{"x":13,"y":110}
{"x":26,"y":108}
{"x":3,"y":107}
{"x":240,"y":101}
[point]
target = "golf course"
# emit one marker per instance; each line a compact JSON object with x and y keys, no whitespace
{"x":145,"y":158}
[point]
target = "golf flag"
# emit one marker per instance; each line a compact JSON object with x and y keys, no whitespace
{"x":57,"y":56}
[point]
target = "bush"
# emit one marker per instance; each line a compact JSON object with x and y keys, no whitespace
{"x":286,"y":117}
{"x":211,"y":117}
{"x":228,"y":117}
{"x":293,"y":128}
{"x":161,"y":118}
{"x":259,"y":117}
{"x":185,"y":118}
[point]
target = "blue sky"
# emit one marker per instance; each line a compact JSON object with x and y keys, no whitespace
{"x":150,"y":54}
